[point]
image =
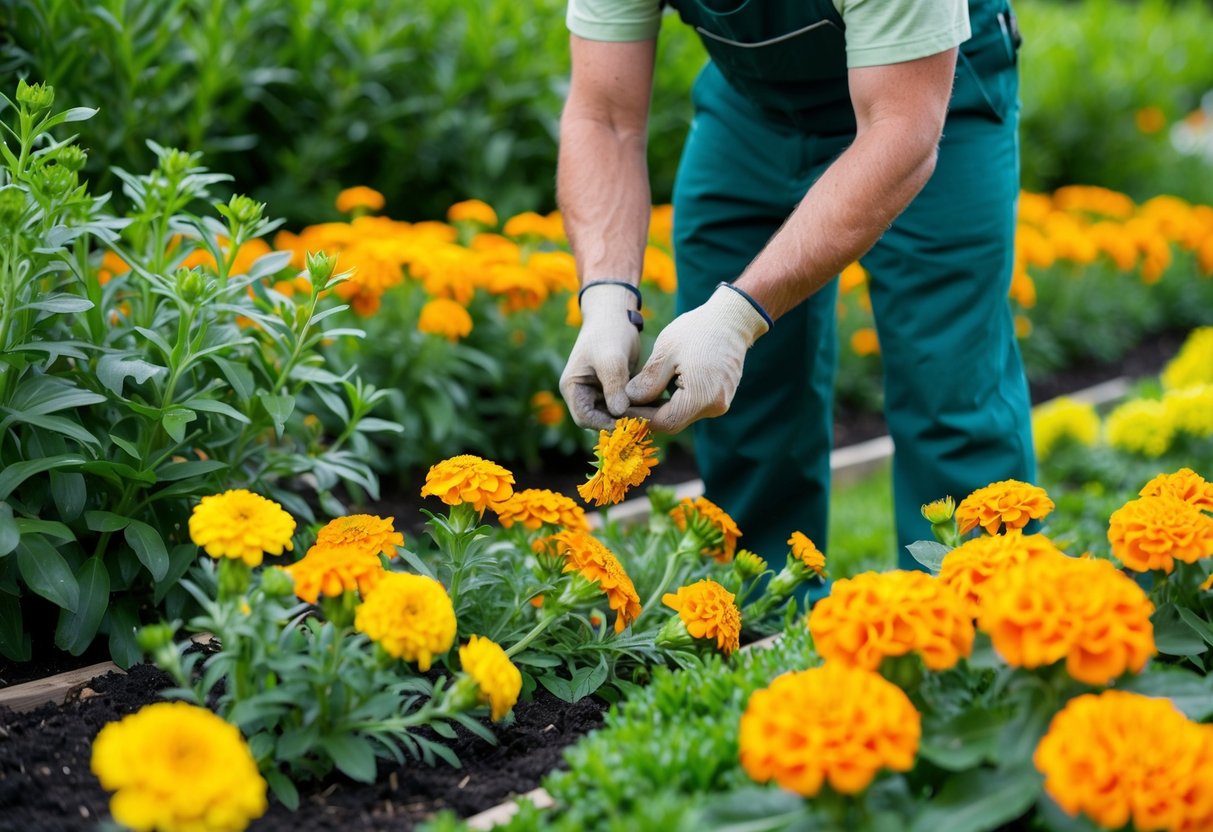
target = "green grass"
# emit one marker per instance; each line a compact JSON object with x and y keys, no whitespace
{"x":862,"y":536}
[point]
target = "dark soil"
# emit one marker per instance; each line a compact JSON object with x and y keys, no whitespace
{"x":46,"y":785}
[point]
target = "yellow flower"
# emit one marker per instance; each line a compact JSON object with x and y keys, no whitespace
{"x":1063,"y":419}
{"x":537,"y":507}
{"x":472,"y":210}
{"x":704,"y":510}
{"x":241,"y":525}
{"x":557,"y":270}
{"x":498,"y":680}
{"x":1208,"y":583}
{"x":833,"y":724}
{"x":1190,"y":409}
{"x":625,"y":456}
{"x":877,"y":615}
{"x":595,"y":562}
{"x":573,"y":312}
{"x":517,"y":286}
{"x":468,"y":479}
{"x":805,"y":551}
{"x":864,"y":342}
{"x":709,"y":612}
{"x":1185,"y":484}
{"x":529,"y":223}
{"x":335,"y":569}
{"x":852,"y":277}
{"x":661,"y":225}
{"x":410,"y":616}
{"x":1150,"y":119}
{"x":352,"y":199}
{"x":1009,"y":503}
{"x":175,"y":767}
{"x":548,"y":409}
{"x":1194,"y":362}
{"x":1121,"y":758}
{"x":372,"y":534}
{"x":969,"y":568}
{"x":1154,"y":532}
{"x":1141,"y":426}
{"x":445,"y":318}
{"x":659,"y":269}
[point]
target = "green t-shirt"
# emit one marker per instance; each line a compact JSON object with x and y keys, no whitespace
{"x":878,"y":32}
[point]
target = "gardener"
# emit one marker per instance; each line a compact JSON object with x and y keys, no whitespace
{"x":816,"y":140}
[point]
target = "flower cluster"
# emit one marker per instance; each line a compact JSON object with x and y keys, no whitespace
{"x":625,"y":456}
{"x":468,"y":480}
{"x":969,"y":568}
{"x":409,"y":616}
{"x":534,"y":508}
{"x":345,"y":557}
{"x":1141,"y":426}
{"x":1009,"y":503}
{"x":585,"y":555}
{"x":1063,"y":420}
{"x":1153,"y":532}
{"x":241,"y":525}
{"x":498,"y":681}
{"x":717,"y":530}
{"x":708,"y":611}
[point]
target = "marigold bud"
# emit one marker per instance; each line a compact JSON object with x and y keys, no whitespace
{"x":939,"y":511}
{"x":176,"y":163}
{"x":58,"y":181}
{"x":12,"y":206}
{"x":35,"y":96}
{"x":245,"y":210}
{"x":277,"y":583}
{"x":320,"y":267}
{"x":191,"y":285}
{"x":154,"y":637}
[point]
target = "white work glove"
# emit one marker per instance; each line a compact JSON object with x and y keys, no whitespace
{"x":704,"y":351}
{"x":603,"y":356}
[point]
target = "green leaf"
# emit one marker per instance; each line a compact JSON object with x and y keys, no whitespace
{"x":223,"y":409}
{"x":279,"y":408}
{"x":353,"y":755}
{"x":17,"y":473}
{"x":980,"y":800}
{"x":131,"y":449}
{"x":561,"y":688}
{"x":46,"y":572}
{"x":123,"y":620}
{"x":1173,"y":635}
{"x":69,"y":493}
{"x":182,"y":556}
{"x":10,"y":535}
{"x":283,"y":788}
{"x":929,"y":553}
{"x":173,"y":471}
{"x":586,"y":680}
{"x":964,"y":741}
{"x":238,"y":376}
{"x":61,"y":302}
{"x":58,"y":424}
{"x":77,"y":630}
{"x":14,"y":643}
{"x":1199,"y":625}
{"x":175,"y":420}
{"x":31,"y":525}
{"x":113,"y":369}
{"x":105,"y":521}
{"x":149,"y":547}
{"x":372,"y":425}
{"x":1191,"y":692}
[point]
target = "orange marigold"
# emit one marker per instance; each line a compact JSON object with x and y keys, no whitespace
{"x":595,"y":562}
{"x":702,"y":509}
{"x":1154,"y":532}
{"x":1185,"y":484}
{"x":832,"y":723}
{"x":334,"y":570}
{"x":537,"y":507}
{"x":368,"y":532}
{"x":805,"y":551}
{"x":969,"y":568}
{"x":709,"y":612}
{"x":1121,"y":758}
{"x":468,"y":479}
{"x":548,"y":409}
{"x":625,"y":456}
{"x":472,"y":210}
{"x":1009,"y":503}
{"x":877,"y":615}
{"x":445,"y":318}
{"x":351,"y":199}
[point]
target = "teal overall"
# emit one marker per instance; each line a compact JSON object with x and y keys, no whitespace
{"x":772,"y":111}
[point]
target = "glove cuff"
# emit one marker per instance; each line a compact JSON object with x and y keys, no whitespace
{"x":611,"y":301}
{"x":738,"y":310}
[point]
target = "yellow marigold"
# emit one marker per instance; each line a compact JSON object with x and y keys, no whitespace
{"x":1190,"y":409}
{"x":335,"y":569}
{"x":368,"y":532}
{"x":661,"y":225}
{"x":659,"y":269}
{"x":1185,"y":484}
{"x":537,"y":507}
{"x":548,"y":409}
{"x":518,"y":287}
{"x":1154,"y":532}
{"x":939,"y":511}
{"x":1140,"y":426}
{"x":1023,"y":289}
{"x":833,"y":723}
{"x":557,"y":270}
{"x":445,"y":318}
{"x":852,"y":277}
{"x":1121,"y":758}
{"x":969,"y":568}
{"x":529,"y":223}
{"x":498,"y":680}
{"x":410,"y":616}
{"x":1023,"y":326}
{"x":865,"y":342}
{"x":1009,"y":503}
{"x":468,"y":479}
{"x":701,"y":507}
{"x":175,"y":767}
{"x":352,"y":199}
{"x":1208,"y":583}
{"x":472,"y":210}
{"x":805,"y":551}
{"x":573,"y":311}
{"x":877,"y":615}
{"x":595,"y":562}
{"x":625,"y":456}
{"x":709,"y":612}
{"x":1063,"y":419}
{"x":241,"y":525}
{"x":1193,"y":364}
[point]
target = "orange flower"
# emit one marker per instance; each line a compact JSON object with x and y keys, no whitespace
{"x":1185,"y":484}
{"x":659,"y":268}
{"x":537,"y":507}
{"x":1150,"y":119}
{"x":595,"y":562}
{"x":1010,"y":503}
{"x":969,"y":568}
{"x":1154,"y":532}
{"x":468,"y":479}
{"x":805,"y":551}
{"x":709,"y":612}
{"x":877,"y":615}
{"x":529,"y":223}
{"x":517,"y":286}
{"x":625,"y":456}
{"x":445,"y":318}
{"x":832,"y":723}
{"x":335,"y":569}
{"x":548,"y":409}
{"x":372,"y":534}
{"x":472,"y":210}
{"x":687,"y":512}
{"x":557,"y":270}
{"x":864,"y":342}
{"x":360,"y":197}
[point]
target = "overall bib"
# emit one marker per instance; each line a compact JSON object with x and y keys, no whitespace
{"x":772,"y":110}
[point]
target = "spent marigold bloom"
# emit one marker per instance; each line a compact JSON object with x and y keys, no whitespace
{"x":445,"y":318}
{"x":472,"y":210}
{"x":176,"y":767}
{"x":701,"y":509}
{"x":468,"y":479}
{"x":368,"y":532}
{"x":333,"y":570}
{"x":1009,"y":503}
{"x":1154,"y":532}
{"x":585,"y":555}
{"x":1063,"y":419}
{"x":873,"y":616}
{"x":359,"y":197}
{"x":537,"y":507}
{"x":968,"y":569}
{"x":1185,"y":484}
{"x":709,"y":612}
{"x":1140,"y":426}
{"x":496,"y":677}
{"x":548,"y":409}
{"x":1121,"y":758}
{"x":241,"y":525}
{"x":409,"y":616}
{"x":805,"y":551}
{"x":625,"y":456}
{"x":833,"y":723}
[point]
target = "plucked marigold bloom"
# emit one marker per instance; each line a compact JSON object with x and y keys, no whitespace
{"x":409,"y":616}
{"x":1141,"y":426}
{"x":832,"y":723}
{"x":446,"y":318}
{"x":538,"y":507}
{"x":968,"y":569}
{"x":351,"y":199}
{"x":625,"y":456}
{"x":1063,"y":419}
{"x":709,"y":612}
{"x":372,"y":534}
{"x":703,"y":508}
{"x":549,"y":410}
{"x":175,"y":767}
{"x":1009,"y":503}
{"x":241,"y":525}
{"x":1154,"y":532}
{"x":1185,"y":484}
{"x":335,"y":569}
{"x":468,"y":479}
{"x":588,"y":557}
{"x":805,"y":551}
{"x":1121,"y":758}
{"x":498,"y":680}
{"x":472,"y":210}
{"x":877,"y":615}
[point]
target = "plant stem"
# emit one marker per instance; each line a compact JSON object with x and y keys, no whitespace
{"x":535,"y":632}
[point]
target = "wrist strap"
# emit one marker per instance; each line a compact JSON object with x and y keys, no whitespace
{"x":623,"y":283}
{"x":757,"y":306}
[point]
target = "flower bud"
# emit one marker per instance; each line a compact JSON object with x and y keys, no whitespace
{"x":58,"y":180}
{"x":12,"y":206}
{"x":154,"y":636}
{"x":35,"y":96}
{"x":277,"y":583}
{"x":175,"y":163}
{"x":245,"y":210}
{"x":939,"y":511}
{"x":662,"y":499}
{"x":320,"y":267}
{"x":71,"y":157}
{"x":674,"y":635}
{"x":191,"y":285}
{"x":748,"y":565}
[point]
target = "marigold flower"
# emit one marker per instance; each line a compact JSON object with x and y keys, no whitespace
{"x":1208,"y":583}
{"x":529,"y":223}
{"x":747,"y":564}
{"x":937,"y":512}
{"x":409,"y":616}
{"x":498,"y":680}
{"x":1154,"y":532}
{"x":445,"y":318}
{"x":519,"y":287}
{"x":1121,"y":758}
{"x":1150,"y":119}
{"x":1193,"y":364}
{"x":1190,"y":409}
{"x":472,"y":210}
{"x":864,"y":342}
{"x":832,"y":723}
{"x":335,"y":569}
{"x":969,"y":568}
{"x":1009,"y":503}
{"x":548,"y":409}
{"x":352,"y":199}
{"x":241,"y":525}
{"x":585,"y":555}
{"x":557,"y":270}
{"x":176,"y":767}
{"x":1063,"y":419}
{"x":370,"y":533}
{"x":873,"y":616}
{"x":1140,"y":426}
{"x":805,"y":551}
{"x":688,"y":511}
{"x":468,"y":479}
{"x":537,"y":507}
{"x":1185,"y":484}
{"x":625,"y":456}
{"x":709,"y":612}
{"x":659,"y":269}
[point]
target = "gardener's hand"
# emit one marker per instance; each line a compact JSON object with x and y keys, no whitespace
{"x":602,"y":359}
{"x":703,"y":351}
